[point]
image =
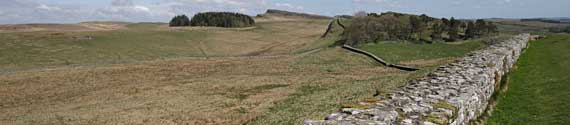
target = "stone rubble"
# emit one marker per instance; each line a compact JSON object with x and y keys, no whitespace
{"x":454,"y":94}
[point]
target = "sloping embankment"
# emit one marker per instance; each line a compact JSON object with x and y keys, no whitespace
{"x":453,"y":94}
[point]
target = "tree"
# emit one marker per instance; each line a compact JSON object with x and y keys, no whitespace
{"x":425,"y":18}
{"x":417,"y":26}
{"x":492,"y":28}
{"x":453,"y":28}
{"x":481,"y":27}
{"x":445,"y":23}
{"x":180,"y":20}
{"x":471,"y":30}
{"x":438,"y":29}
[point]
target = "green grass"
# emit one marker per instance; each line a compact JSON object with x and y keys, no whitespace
{"x":539,"y":88}
{"x":50,"y":49}
{"x":394,"y":52}
{"x":315,"y":100}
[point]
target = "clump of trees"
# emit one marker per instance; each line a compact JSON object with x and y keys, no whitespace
{"x":391,"y":26}
{"x":180,"y":20}
{"x":480,"y":28}
{"x":222,"y":19}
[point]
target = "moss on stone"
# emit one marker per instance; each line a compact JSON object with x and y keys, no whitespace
{"x":435,"y":119}
{"x":401,"y":115}
{"x":371,"y":100}
{"x":447,"y":105}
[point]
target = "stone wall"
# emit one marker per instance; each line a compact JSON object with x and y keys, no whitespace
{"x":454,"y":94}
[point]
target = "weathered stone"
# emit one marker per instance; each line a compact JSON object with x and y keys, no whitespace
{"x":453,"y":94}
{"x":406,"y":122}
{"x":428,"y":123}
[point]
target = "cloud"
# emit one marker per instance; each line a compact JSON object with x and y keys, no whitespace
{"x":288,"y":6}
{"x":194,"y":6}
{"x":122,"y":3}
{"x":385,"y":4}
{"x":26,"y":11}
{"x":127,"y":10}
{"x":226,"y":2}
{"x":48,"y":8}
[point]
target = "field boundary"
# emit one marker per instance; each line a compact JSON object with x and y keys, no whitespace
{"x":455,"y":94}
{"x":378,"y":59}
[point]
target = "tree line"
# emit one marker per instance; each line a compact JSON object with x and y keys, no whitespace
{"x":391,"y":26}
{"x":222,"y":19}
{"x":216,"y":19}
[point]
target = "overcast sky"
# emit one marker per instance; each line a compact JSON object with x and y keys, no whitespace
{"x":73,"y":11}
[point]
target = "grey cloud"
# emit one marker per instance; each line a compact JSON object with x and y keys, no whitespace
{"x":122,"y":3}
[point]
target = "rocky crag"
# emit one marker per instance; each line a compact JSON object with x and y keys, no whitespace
{"x":455,"y":94}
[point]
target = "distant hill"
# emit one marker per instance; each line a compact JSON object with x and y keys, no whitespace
{"x":547,"y":20}
{"x":561,"y":19}
{"x":273,"y":12}
{"x":83,"y":26}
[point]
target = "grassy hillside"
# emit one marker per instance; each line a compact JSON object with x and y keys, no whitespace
{"x":538,"y":88}
{"x":139,"y":42}
{"x":152,"y":41}
{"x":319,"y":97}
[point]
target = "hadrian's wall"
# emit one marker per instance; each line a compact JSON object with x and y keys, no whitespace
{"x":454,"y":94}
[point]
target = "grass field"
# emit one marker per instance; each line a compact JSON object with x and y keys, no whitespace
{"x":515,"y":26}
{"x":43,"y":49}
{"x":151,"y":41}
{"x":320,"y":97}
{"x":279,"y":72}
{"x":538,"y":91}
{"x":397,"y":52}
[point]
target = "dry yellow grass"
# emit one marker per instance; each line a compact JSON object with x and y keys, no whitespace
{"x":269,"y":37}
{"x":151,"y":41}
{"x":86,"y":26}
{"x":194,"y":91}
